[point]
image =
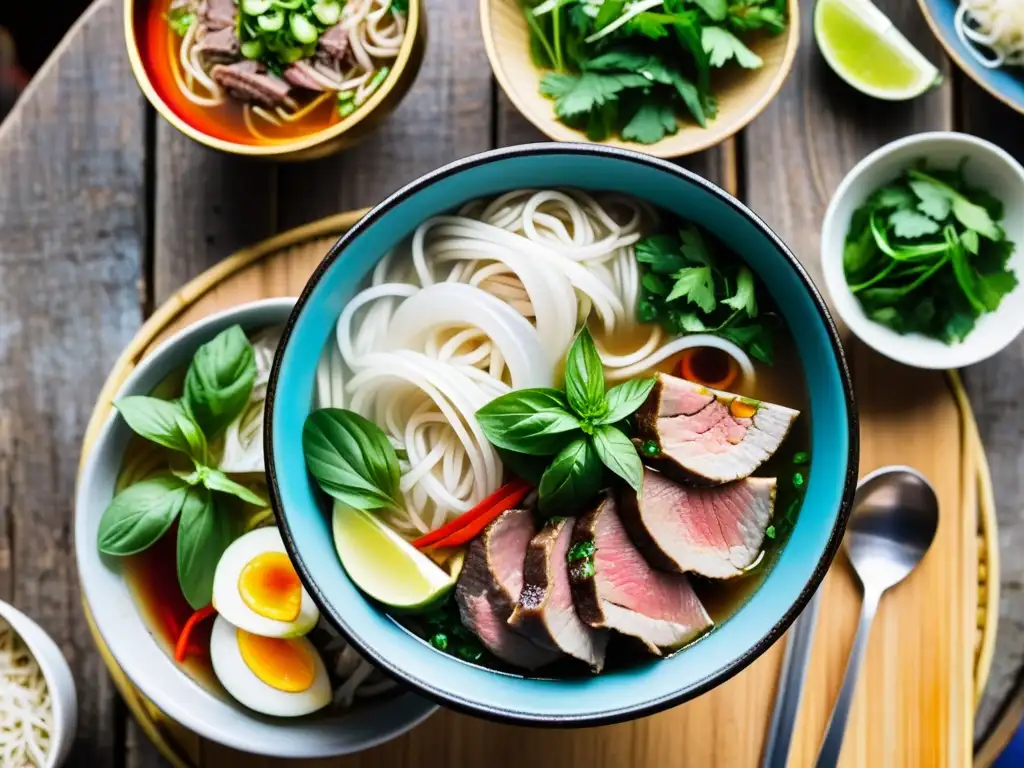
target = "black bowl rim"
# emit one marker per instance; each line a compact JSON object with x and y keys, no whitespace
{"x":623,"y":714}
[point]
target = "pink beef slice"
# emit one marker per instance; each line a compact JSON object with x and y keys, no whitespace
{"x":489,"y":587}
{"x":716,"y":532}
{"x":616,"y":588}
{"x":709,"y":437}
{"x":545,"y":612}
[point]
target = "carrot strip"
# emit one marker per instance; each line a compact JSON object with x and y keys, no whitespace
{"x":182,"y":648}
{"x":469,"y":532}
{"x":467,"y":517}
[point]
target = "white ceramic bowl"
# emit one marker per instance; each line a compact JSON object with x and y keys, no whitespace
{"x":58,"y":678}
{"x":215,"y":717}
{"x":988,"y":166}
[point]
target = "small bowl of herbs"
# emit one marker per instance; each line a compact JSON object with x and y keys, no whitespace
{"x":921,"y":250}
{"x":665,"y":77}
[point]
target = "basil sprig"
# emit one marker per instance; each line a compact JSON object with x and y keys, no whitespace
{"x":580,"y":428}
{"x":352,"y":459}
{"x":218,"y":384}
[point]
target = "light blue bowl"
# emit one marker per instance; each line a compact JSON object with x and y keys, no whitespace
{"x":643,"y":688}
{"x":1005,"y":83}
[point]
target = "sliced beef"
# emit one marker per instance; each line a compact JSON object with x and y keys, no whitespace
{"x":220,"y":44}
{"x":489,"y":588}
{"x":710,"y":437}
{"x":299,"y":74}
{"x":616,"y":588}
{"x":217,"y":14}
{"x":246,"y":80}
{"x":716,"y":532}
{"x":333,"y":45}
{"x":545,"y":612}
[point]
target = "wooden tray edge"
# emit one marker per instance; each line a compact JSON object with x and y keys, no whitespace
{"x":148,"y":715}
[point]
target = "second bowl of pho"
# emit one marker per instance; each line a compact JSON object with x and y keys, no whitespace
{"x":184,"y":569}
{"x":528,"y":441}
{"x":287,"y":80}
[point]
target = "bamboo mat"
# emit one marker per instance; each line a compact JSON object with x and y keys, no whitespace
{"x":931,"y":646}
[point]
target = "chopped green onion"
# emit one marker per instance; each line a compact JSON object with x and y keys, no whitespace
{"x":303,"y":29}
{"x":327,"y":13}
{"x":346,"y":108}
{"x":291,"y":54}
{"x":440,"y":641}
{"x":801,"y":458}
{"x":651,"y":448}
{"x":348,"y":96}
{"x":798,"y":480}
{"x":374,"y":84}
{"x":180,"y":19}
{"x":290,"y":5}
{"x":252,"y":49}
{"x":271,"y":22}
{"x":255,"y":7}
{"x":770,"y":532}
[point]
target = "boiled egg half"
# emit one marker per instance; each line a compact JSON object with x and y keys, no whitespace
{"x":282,"y":677}
{"x":256,"y":588}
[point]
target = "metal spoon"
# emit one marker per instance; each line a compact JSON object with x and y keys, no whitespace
{"x":894,"y":519}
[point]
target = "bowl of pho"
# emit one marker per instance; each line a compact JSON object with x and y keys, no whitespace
{"x":291,"y":80}
{"x":561,"y":455}
{"x":184,"y":569}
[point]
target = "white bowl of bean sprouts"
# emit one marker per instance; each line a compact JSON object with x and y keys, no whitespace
{"x":37,"y":695}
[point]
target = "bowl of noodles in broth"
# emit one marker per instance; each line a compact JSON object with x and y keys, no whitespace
{"x":288,"y":79}
{"x":986,"y":40}
{"x":190,"y":587}
{"x":505,"y":410}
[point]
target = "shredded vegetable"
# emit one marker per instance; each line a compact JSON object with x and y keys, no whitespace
{"x":26,"y":712}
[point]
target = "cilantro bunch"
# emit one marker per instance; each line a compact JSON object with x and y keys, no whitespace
{"x":634,"y":68}
{"x":926,"y":254}
{"x":688,"y":287}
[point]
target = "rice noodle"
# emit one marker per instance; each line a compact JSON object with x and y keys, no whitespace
{"x":994,"y":25}
{"x":26,"y":711}
{"x":475,"y":304}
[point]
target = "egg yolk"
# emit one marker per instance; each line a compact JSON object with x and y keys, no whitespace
{"x":286,"y":665}
{"x":270,"y":586}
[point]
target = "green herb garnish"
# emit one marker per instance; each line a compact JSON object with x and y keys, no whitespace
{"x":180,"y":20}
{"x":581,"y":550}
{"x":926,"y":254}
{"x":217,"y":388}
{"x":578,"y":427}
{"x":280,"y":32}
{"x":687,"y":287}
{"x":635,"y":68}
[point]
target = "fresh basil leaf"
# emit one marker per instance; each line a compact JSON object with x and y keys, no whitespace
{"x":584,"y":377}
{"x":163,"y":422}
{"x":571,"y":481}
{"x":624,"y":399}
{"x":203,"y":535}
{"x":533,"y":421}
{"x":219,"y":380}
{"x":529,"y":468}
{"x":617,"y":452}
{"x":216,"y":480}
{"x":140,"y":514}
{"x":351,"y":458}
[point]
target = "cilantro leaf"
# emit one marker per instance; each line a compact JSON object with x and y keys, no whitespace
{"x":933,"y":201}
{"x":697,"y":285}
{"x":693,"y":246}
{"x":655,"y":284}
{"x":721,"y":45}
{"x":970,"y":241}
{"x":991,"y":288}
{"x":691,"y":98}
{"x":609,"y":11}
{"x":976,"y":218}
{"x":661,"y":253}
{"x":716,"y":9}
{"x":892,"y":197}
{"x":578,"y":94}
{"x":647,"y":24}
{"x":689,"y":322}
{"x":752,"y":17}
{"x":912,"y":224}
{"x":744,"y":299}
{"x":651,"y":123}
{"x":755,"y":338}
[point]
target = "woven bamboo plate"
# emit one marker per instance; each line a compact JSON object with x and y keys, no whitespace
{"x":915,"y":703}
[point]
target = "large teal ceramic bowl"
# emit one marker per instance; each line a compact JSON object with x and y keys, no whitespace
{"x":617,"y":695}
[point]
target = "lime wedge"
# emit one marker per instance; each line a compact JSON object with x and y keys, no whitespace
{"x":861,"y":44}
{"x":384,"y":565}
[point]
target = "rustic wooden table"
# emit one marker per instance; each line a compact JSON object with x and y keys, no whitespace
{"x":105,"y":210}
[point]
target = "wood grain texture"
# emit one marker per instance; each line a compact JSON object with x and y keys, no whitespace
{"x":447,"y":115}
{"x":72,"y":230}
{"x":994,"y":387}
{"x":910,"y":707}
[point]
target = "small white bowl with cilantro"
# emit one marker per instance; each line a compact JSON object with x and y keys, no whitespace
{"x":921,"y":250}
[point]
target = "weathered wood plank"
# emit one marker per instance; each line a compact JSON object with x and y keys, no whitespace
{"x":994,"y":388}
{"x":207,"y":205}
{"x":447,"y":115}
{"x":72,"y":230}
{"x":796,"y":154}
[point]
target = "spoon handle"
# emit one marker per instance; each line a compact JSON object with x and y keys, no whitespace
{"x":828,"y":756}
